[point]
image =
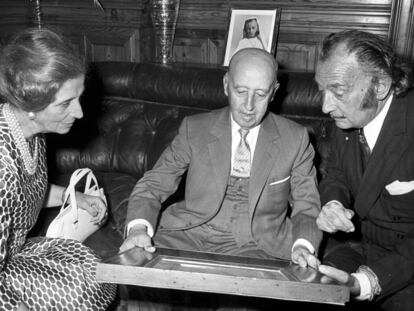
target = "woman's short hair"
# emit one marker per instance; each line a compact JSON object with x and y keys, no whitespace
{"x":35,"y":65}
{"x":375,"y":55}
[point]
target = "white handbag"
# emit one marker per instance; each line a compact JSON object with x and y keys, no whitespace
{"x":73,"y":222}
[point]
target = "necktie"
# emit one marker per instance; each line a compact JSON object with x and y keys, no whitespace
{"x":365,"y":149}
{"x":241,"y":163}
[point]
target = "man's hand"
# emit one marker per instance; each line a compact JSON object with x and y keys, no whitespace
{"x":138,"y":237}
{"x":335,"y":217}
{"x":332,"y":274}
{"x":303,"y":257}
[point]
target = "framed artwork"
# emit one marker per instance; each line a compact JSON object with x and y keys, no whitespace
{"x":219,"y":273}
{"x":251,"y":28}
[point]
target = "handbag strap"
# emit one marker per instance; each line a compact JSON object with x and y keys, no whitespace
{"x":70,"y":192}
{"x":91,"y":182}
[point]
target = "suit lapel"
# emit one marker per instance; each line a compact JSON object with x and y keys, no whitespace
{"x":219,"y":146}
{"x":265,"y":155}
{"x":391,"y":144}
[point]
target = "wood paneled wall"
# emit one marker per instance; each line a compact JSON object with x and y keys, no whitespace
{"x":123,"y":32}
{"x":202,"y":27}
{"x":112,"y":35}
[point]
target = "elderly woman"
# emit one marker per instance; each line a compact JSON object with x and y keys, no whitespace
{"x":41,"y":80}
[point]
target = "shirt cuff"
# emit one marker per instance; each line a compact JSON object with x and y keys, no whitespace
{"x":364,"y":285}
{"x":305,"y":243}
{"x":335,"y":201}
{"x":140,"y":221}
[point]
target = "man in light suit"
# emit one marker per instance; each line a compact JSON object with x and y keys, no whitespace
{"x":368,"y":189}
{"x":251,"y":194}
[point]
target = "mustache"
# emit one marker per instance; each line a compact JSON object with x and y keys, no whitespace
{"x":333,"y":116}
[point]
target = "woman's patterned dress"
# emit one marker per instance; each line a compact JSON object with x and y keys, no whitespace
{"x":43,"y":273}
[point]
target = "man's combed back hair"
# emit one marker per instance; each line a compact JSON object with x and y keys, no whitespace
{"x":375,"y":55}
{"x":35,"y":65}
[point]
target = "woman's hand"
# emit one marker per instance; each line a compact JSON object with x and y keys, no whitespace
{"x":93,"y":205}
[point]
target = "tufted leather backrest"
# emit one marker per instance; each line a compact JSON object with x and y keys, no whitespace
{"x":133,"y":110}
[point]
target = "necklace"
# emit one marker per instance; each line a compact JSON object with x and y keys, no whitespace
{"x":29,"y":160}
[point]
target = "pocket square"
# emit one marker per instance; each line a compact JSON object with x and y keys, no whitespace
{"x":279,"y":181}
{"x":400,"y":187}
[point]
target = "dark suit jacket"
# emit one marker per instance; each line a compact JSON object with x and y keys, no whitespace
{"x":386,"y":221}
{"x":202,"y":148}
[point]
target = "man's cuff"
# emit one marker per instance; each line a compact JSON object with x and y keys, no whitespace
{"x":364,"y":285}
{"x":150,"y":229}
{"x":374,"y":286}
{"x":305,"y":243}
{"x":335,"y":201}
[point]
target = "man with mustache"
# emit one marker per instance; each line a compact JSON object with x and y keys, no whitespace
{"x":367,"y":190}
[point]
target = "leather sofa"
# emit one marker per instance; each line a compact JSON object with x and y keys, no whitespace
{"x":133,"y":110}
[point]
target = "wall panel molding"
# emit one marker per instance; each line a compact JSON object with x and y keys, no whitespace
{"x":203,"y":51}
{"x":402,"y":27}
{"x":124,"y":30}
{"x":301,"y":57}
{"x":107,"y":48}
{"x":303,"y":24}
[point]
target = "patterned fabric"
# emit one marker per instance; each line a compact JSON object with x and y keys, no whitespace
{"x":233,"y":217}
{"x":365,"y":150}
{"x":42,"y":273}
{"x":241,"y":165}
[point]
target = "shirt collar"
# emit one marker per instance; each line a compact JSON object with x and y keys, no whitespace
{"x":235,"y":127}
{"x":373,"y":128}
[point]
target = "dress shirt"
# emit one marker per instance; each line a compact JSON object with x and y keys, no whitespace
{"x":373,"y":128}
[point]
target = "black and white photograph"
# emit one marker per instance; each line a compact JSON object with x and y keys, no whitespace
{"x":251,"y":29}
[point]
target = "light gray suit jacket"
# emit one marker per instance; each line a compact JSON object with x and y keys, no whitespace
{"x":283,"y":196}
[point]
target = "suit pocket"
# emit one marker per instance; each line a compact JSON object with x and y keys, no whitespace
{"x":398,"y":205}
{"x":400,"y":187}
{"x":280,"y":181}
{"x":281,"y":186}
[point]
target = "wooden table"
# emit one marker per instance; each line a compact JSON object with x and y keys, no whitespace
{"x":214,"y":273}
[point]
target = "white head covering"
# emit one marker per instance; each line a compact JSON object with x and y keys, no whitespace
{"x":259,"y":31}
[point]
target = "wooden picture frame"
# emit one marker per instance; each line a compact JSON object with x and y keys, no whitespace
{"x":218,"y":273}
{"x":251,"y":28}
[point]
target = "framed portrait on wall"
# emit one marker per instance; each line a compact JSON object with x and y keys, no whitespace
{"x":251,"y":29}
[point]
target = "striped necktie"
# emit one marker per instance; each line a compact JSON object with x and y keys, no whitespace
{"x":365,"y":149}
{"x":241,"y":163}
